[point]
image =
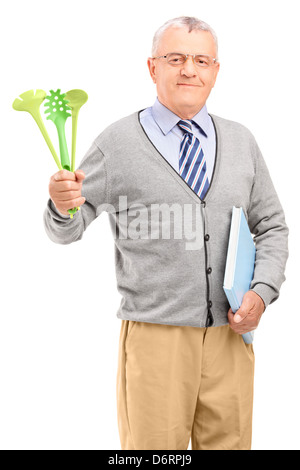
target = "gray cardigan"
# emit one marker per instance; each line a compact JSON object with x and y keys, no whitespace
{"x":171,"y":247}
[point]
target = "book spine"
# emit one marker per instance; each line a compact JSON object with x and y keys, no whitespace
{"x":231,"y":299}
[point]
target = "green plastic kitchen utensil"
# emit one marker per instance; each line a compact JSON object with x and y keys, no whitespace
{"x":58,"y":112}
{"x":31,"y":103}
{"x":75,"y":99}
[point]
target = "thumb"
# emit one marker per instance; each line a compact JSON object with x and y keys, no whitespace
{"x":243,"y":311}
{"x":79,"y":175}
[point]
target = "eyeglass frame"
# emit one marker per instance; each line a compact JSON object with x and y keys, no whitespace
{"x":186,"y":56}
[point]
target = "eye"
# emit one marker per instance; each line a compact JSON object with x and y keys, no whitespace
{"x":175,"y":59}
{"x":202,"y":60}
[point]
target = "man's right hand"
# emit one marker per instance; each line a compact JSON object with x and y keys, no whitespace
{"x":65,"y":190}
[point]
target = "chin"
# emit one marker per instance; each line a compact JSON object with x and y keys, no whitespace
{"x":189,"y":103}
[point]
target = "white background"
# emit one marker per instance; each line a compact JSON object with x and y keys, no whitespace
{"x":58,"y":330}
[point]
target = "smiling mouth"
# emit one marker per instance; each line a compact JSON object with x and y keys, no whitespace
{"x":187,"y":84}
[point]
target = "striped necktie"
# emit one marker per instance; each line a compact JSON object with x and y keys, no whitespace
{"x":192,"y":164}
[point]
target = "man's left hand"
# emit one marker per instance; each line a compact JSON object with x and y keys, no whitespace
{"x":248,"y":316}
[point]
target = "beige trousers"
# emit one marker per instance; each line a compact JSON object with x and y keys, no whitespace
{"x":176,"y":383}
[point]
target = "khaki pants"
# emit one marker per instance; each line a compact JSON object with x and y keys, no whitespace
{"x":179,"y":382}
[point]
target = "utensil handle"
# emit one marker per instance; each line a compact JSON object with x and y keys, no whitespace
{"x":64,"y":154}
{"x":72,"y":211}
{"x":74,"y":133}
{"x":38,"y":119}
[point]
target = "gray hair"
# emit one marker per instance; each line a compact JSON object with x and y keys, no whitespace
{"x":182,"y":22}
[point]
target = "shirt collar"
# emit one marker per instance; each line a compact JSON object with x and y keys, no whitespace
{"x":166,"y":119}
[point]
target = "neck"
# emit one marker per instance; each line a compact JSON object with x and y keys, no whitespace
{"x":184,"y":112}
{"x":186,"y":115}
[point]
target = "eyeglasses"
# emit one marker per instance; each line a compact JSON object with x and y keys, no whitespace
{"x":176,"y":58}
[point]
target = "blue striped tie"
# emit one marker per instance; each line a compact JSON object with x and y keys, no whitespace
{"x":192,"y":164}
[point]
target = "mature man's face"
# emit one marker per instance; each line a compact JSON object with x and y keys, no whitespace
{"x":184,"y":89}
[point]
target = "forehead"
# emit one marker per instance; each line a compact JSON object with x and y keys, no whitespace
{"x":180,"y":40}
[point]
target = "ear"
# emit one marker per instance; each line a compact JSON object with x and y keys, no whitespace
{"x":152,"y":68}
{"x":217,"y":68}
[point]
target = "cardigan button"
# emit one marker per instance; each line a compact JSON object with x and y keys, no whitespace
{"x":206,"y":238}
{"x":209,"y":270}
{"x":209,"y":319}
{"x":209,"y":304}
{"x":203,"y":203}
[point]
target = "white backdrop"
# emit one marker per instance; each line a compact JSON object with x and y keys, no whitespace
{"x":58,"y":329}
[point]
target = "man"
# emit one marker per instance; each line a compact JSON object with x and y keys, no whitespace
{"x":184,"y":370}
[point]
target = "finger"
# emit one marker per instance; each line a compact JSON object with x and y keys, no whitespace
{"x":239,"y":329}
{"x":63,"y":175}
{"x":242,"y":331}
{"x":230,"y":315}
{"x":234,"y":326}
{"x":68,"y":195}
{"x":70,"y":204}
{"x":244,"y":309}
{"x":79,"y":175}
{"x":66,"y":185}
{"x":247,"y":324}
{"x":232,"y":318}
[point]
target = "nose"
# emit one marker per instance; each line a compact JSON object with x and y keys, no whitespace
{"x":189,"y":68}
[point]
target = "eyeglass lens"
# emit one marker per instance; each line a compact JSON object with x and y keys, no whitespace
{"x":178,"y":59}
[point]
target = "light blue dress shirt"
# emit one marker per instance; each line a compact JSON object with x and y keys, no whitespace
{"x":160,"y":124}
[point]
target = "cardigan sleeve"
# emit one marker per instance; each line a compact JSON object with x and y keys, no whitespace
{"x":267,"y":223}
{"x":64,"y":230}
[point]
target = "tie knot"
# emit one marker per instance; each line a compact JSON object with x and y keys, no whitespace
{"x":186,"y":126}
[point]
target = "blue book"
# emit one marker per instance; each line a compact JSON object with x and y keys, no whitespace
{"x":239,"y":263}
